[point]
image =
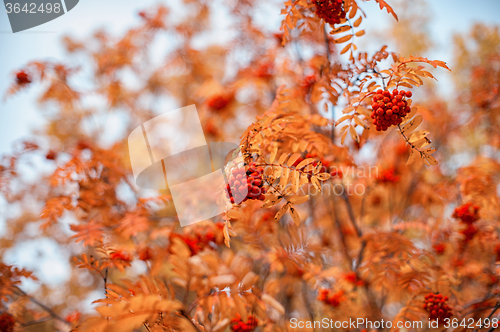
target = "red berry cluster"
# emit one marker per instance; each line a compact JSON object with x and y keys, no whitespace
{"x":245,"y":185}
{"x":218,"y":102}
{"x":439,"y":248}
{"x":389,"y":108}
{"x":388,"y":176}
{"x":22,"y":78}
{"x":331,"y":298}
{"x":497,"y":251}
{"x":308,"y":82}
{"x":72,"y":317}
{"x":437,"y":306}
{"x":199,"y":241}
{"x":353,"y":278}
{"x":145,"y":253}
{"x":237,"y":325}
{"x":332,"y":11}
{"x":51,"y":155}
{"x":121,"y":255}
{"x":468,"y":214}
{"x":7,"y":322}
{"x":265,"y":70}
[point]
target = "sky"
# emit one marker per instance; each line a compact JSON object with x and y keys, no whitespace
{"x":19,"y":115}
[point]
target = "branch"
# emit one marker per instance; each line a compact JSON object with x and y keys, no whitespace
{"x":44,"y":307}
{"x":351,"y":213}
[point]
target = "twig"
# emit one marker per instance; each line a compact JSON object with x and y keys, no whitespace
{"x":491,"y":314}
{"x":44,"y":307}
{"x":351,"y":213}
{"x":327,"y":45}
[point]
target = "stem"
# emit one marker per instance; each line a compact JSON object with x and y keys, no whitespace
{"x":44,"y":307}
{"x":327,"y":45}
{"x":351,"y":213}
{"x":106,"y":283}
{"x":491,"y":314}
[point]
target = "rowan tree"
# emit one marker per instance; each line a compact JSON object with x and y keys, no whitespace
{"x":357,"y":212}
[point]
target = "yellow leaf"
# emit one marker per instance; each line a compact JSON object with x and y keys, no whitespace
{"x":418,"y":135}
{"x":342,"y":39}
{"x":341,"y":29}
{"x":411,"y":158}
{"x":272,"y":200}
{"x":281,"y":212}
{"x":240,"y":306}
{"x":344,"y":135}
{"x":273,"y":303}
{"x":360,"y":122}
{"x":283,"y":157}
{"x":421,"y":143}
{"x":295,"y":216}
{"x":354,"y":134}
{"x":428,"y":150}
{"x":358,"y":22}
{"x":293,"y":159}
{"x":273,"y":154}
{"x":354,"y":10}
{"x":299,"y":199}
{"x":360,"y":33}
{"x":412,"y":124}
{"x":323,"y":176}
{"x":315,"y":182}
{"x":430,"y":160}
{"x":346,"y":48}
{"x":304,"y":163}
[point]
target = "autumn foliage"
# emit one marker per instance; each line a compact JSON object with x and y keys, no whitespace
{"x":341,"y":206}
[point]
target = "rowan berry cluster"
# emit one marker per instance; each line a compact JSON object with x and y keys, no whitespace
{"x":72,"y":317}
{"x":497,"y":251}
{"x":388,"y":176}
{"x":332,"y":11}
{"x":120,"y":255}
{"x":7,"y":322}
{"x":238,"y":325}
{"x":198,"y":241}
{"x":389,"y":108}
{"x":218,"y":102}
{"x":353,"y":278}
{"x":439,"y":248}
{"x":246,"y":184}
{"x":145,"y":254}
{"x":308,"y":82}
{"x":265,"y":70}
{"x":437,"y":306}
{"x":22,"y":78}
{"x":468,"y":214}
{"x":51,"y":155}
{"x":332,"y":298}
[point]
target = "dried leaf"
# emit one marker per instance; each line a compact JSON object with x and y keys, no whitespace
{"x":354,"y":134}
{"x":295,"y":216}
{"x":412,"y":124}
